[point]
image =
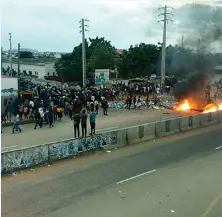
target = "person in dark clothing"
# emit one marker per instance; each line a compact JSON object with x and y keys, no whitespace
{"x":84,"y":123}
{"x":76,"y":119}
{"x":50,"y":116}
{"x":38,"y":119}
{"x":129,"y":102}
{"x":105,"y":106}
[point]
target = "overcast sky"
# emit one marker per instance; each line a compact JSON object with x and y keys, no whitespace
{"x":53,"y":25}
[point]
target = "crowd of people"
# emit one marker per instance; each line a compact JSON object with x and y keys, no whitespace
{"x":48,"y":103}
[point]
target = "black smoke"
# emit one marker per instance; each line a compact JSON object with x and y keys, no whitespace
{"x":192,"y":86}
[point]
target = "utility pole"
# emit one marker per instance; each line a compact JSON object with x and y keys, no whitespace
{"x":10,"y":44}
{"x":18,"y":67}
{"x":1,"y":60}
{"x":84,"y":28}
{"x":165,"y":20}
{"x":198,"y":46}
{"x":18,"y":60}
{"x":182,"y":42}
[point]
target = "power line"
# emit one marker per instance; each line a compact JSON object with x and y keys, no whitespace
{"x":84,"y":28}
{"x":165,"y":20}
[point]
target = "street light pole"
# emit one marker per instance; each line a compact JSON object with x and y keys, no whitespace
{"x":163,"y":60}
{"x":83,"y":30}
{"x":10,"y":44}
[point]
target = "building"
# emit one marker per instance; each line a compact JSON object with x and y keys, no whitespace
{"x":49,"y":69}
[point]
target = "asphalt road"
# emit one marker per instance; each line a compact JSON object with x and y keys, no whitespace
{"x":180,"y":175}
{"x":117,"y":118}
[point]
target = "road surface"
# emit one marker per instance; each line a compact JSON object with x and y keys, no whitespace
{"x":116,"y":118}
{"x":180,"y":176}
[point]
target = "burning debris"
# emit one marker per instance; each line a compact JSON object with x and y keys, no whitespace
{"x":186,"y":106}
{"x":193,"y":94}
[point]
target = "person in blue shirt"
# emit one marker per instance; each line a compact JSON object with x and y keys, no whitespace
{"x":92,"y":117}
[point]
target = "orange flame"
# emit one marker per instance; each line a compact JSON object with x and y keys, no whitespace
{"x":212,"y":108}
{"x":183,"y":106}
{"x":186,"y":106}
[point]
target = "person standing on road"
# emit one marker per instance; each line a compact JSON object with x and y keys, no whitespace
{"x":93,"y":122}
{"x":76,"y":120}
{"x":50,"y":116}
{"x":16,"y":124}
{"x":84,"y":123}
{"x":97,"y":107}
{"x":105,"y":106}
{"x":39,"y":114}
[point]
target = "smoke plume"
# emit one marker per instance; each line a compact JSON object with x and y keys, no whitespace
{"x":192,"y":86}
{"x":206,"y":25}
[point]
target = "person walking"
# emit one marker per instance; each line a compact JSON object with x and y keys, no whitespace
{"x":76,"y":119}
{"x":16,"y":125}
{"x":84,"y":123}
{"x":93,"y":122}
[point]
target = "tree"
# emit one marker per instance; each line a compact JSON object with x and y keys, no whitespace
{"x":26,"y":54}
{"x":139,"y":61}
{"x":69,"y":66}
{"x":99,"y":54}
{"x":102,"y":55}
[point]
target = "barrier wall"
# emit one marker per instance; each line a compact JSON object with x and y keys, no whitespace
{"x":24,"y":158}
{"x":72,"y":147}
{"x":49,"y":153}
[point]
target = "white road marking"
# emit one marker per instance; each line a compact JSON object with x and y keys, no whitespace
{"x":137,"y":176}
{"x":13,"y":146}
{"x":219,"y":147}
{"x":109,"y":128}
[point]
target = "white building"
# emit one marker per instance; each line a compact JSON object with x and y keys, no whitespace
{"x":49,"y":69}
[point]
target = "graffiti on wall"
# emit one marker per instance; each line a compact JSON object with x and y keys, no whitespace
{"x":24,"y":158}
{"x":68,"y":148}
{"x":122,"y":104}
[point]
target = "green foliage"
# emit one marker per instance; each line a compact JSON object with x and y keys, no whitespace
{"x":139,"y":61}
{"x":142,"y":60}
{"x":26,"y":54}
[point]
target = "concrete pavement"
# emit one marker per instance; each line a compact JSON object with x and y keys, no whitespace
{"x":117,"y":118}
{"x":186,"y":181}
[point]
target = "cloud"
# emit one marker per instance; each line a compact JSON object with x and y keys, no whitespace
{"x":54,"y":24}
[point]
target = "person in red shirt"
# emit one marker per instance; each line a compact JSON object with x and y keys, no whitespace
{"x":55,"y":112}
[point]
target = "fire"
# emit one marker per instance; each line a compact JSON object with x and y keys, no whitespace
{"x":183,"y":106}
{"x":212,"y":108}
{"x":186,"y":106}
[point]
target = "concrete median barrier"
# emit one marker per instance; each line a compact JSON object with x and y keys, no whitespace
{"x":141,"y":133}
{"x":209,"y":118}
{"x":197,"y":122}
{"x":50,"y":153}
{"x":72,"y":147}
{"x":220,"y":116}
{"x":186,"y":123}
{"x":167,"y":127}
{"x":23,"y":158}
{"x":133,"y":134}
